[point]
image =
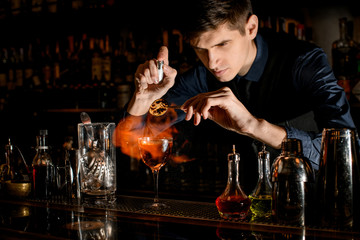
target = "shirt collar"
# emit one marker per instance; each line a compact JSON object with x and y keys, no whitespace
{"x":258,"y":66}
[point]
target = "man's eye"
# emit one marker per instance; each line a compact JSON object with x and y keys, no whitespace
{"x":200,"y":51}
{"x":223,"y":44}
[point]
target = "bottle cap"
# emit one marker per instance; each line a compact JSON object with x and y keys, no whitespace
{"x":292,"y":146}
{"x":43,"y":132}
{"x":234,"y":156}
{"x":263,"y":154}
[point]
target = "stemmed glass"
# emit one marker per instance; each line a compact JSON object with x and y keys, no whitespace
{"x":155,"y":152}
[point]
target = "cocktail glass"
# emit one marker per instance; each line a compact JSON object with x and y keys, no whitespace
{"x":155,"y":152}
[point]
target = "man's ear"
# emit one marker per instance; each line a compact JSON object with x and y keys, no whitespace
{"x":252,"y":26}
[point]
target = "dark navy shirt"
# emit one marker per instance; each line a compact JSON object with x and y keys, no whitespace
{"x":289,"y":84}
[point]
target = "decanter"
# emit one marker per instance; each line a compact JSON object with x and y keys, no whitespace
{"x":233,"y":203}
{"x":261,"y":196}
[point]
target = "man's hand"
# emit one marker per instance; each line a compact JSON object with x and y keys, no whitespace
{"x":221,"y":106}
{"x":225,"y":109}
{"x":147,"y":85}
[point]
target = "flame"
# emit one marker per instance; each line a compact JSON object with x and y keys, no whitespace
{"x":131,"y":128}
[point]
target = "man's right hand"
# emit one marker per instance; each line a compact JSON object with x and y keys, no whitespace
{"x":147,"y":85}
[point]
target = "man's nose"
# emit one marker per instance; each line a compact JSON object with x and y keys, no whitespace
{"x":212,"y":60}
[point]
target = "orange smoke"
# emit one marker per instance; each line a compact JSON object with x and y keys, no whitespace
{"x":131,"y":128}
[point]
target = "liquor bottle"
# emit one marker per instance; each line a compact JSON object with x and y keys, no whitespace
{"x":4,"y":9}
{"x":51,"y":6}
{"x":37,"y":6}
{"x":261,"y":195}
{"x":107,"y":90}
{"x":3,"y":77}
{"x":96,"y":68}
{"x":28,"y":69}
{"x":36,"y":60}
{"x":15,"y":6}
{"x":131,"y":57}
{"x":19,"y":69}
{"x":57,"y":66}
{"x":106,"y":60}
{"x":344,"y":58}
{"x":47,"y":65}
{"x":84,"y":59}
{"x":118,"y":67}
{"x":356,"y":88}
{"x":11,"y":69}
{"x":77,"y":4}
{"x":233,"y":202}
{"x":43,"y":168}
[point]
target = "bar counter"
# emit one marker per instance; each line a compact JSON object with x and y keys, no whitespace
{"x":127,"y":219}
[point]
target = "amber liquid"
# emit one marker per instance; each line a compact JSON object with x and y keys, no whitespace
{"x":156,"y":153}
{"x":233,"y":207}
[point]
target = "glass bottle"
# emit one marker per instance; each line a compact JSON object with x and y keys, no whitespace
{"x":47,"y":63}
{"x":344,"y":57}
{"x":96,"y":68}
{"x":293,"y":179}
{"x":28,"y":68}
{"x":19,"y":70}
{"x":43,"y":168}
{"x":233,"y":203}
{"x":261,"y":196}
{"x":57,"y":65}
{"x":18,"y":169}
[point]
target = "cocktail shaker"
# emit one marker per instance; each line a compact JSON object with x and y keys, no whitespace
{"x":337,"y":183}
{"x":292,"y":190}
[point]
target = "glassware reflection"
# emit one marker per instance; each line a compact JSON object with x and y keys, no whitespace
{"x":98,"y":229}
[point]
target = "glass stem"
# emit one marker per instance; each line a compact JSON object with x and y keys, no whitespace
{"x":156,"y":182}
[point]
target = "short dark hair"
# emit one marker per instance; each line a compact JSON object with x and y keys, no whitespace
{"x":206,"y":15}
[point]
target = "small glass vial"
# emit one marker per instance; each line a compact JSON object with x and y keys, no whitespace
{"x":261,"y":196}
{"x":43,"y":169}
{"x":233,"y":203}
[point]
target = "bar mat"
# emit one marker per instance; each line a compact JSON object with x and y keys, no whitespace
{"x":177,"y":208}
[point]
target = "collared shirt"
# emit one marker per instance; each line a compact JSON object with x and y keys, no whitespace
{"x":289,"y":84}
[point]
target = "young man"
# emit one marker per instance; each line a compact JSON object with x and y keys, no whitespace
{"x":261,"y":85}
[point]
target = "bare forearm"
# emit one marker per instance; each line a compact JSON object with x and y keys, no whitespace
{"x":270,"y":134}
{"x":138,"y":106}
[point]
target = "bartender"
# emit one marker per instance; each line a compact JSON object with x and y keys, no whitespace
{"x":255,"y":85}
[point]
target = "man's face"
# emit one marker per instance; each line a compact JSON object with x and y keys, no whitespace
{"x":225,"y":52}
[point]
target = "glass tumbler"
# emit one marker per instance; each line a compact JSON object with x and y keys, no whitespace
{"x":97,"y":161}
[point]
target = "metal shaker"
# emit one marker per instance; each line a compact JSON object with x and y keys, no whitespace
{"x":292,"y":179}
{"x":337,"y":182}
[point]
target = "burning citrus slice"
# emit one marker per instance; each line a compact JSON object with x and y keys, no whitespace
{"x":158,"y":107}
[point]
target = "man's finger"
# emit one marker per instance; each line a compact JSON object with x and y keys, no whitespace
{"x":163,"y":55}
